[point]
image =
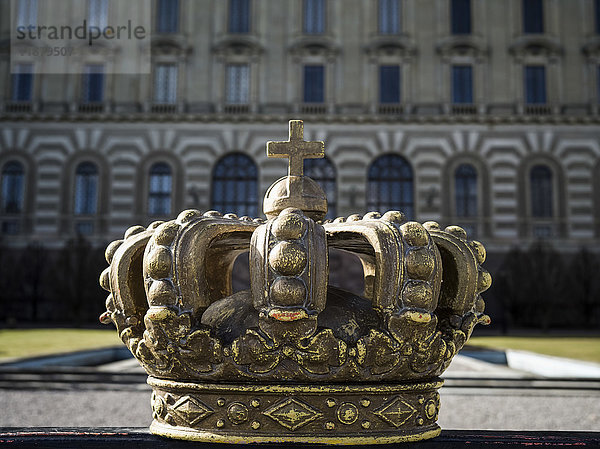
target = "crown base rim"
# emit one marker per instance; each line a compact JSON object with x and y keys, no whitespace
{"x":203,"y":436}
{"x":358,"y":414}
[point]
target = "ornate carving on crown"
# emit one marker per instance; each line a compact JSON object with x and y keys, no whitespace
{"x":294,"y":356}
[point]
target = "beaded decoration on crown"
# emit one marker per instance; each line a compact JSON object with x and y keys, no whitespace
{"x":294,"y":359}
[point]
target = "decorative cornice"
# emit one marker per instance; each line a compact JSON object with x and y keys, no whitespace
{"x":400,"y":46}
{"x":238,"y":45}
{"x":536,"y":45}
{"x":591,"y":49}
{"x":462,"y":45}
{"x":314,"y":45}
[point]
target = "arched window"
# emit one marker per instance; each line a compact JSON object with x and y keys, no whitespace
{"x":235,"y":185}
{"x":465,"y":191}
{"x":390,"y":185}
{"x":159,"y":189}
{"x":323,"y":171}
{"x":13,"y":177}
{"x":86,"y":189}
{"x":540,"y":180}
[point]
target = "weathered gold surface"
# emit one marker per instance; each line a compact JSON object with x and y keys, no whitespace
{"x":293,"y":358}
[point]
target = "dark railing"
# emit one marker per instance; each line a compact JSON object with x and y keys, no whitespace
{"x":236,"y":109}
{"x":575,"y":111}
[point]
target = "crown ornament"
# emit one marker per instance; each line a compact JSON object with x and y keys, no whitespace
{"x":294,"y":359}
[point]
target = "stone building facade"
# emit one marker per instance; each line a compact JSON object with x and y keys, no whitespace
{"x":483,"y":113}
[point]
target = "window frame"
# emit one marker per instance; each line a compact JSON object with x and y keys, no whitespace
{"x":386,"y":25}
{"x":162,"y":94}
{"x":533,"y":16}
{"x":161,"y":196}
{"x":456,"y":72}
{"x":240,"y":95}
{"x":471,"y":194}
{"x":316,"y":94}
{"x":164,"y":26}
{"x":319,"y":12}
{"x":458,"y":26}
{"x":397,"y":78}
{"x":324,"y":173}
{"x":92,"y":71}
{"x":242,"y":188}
{"x":239,"y":16}
{"x":530,"y":96}
{"x":402,"y":179}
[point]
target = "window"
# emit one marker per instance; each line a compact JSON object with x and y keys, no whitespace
{"x":389,"y":84}
{"x":22,"y":83}
{"x":460,"y":15}
{"x":235,"y":185}
{"x":462,"y":84}
{"x":389,"y":17}
{"x":314,"y":16}
{"x":535,"y":84}
{"x":533,"y":16}
{"x":165,"y":84}
{"x":98,"y":13}
{"x":13,"y":177}
{"x":239,"y":16}
{"x":465,"y":191}
{"x":314,"y":84}
{"x":323,"y":172}
{"x":167,"y":16}
{"x":93,"y":84}
{"x":237,"y":89}
{"x":26,"y":13}
{"x":390,"y":185}
{"x":159,"y":190}
{"x":540,"y":178}
{"x":86,"y":189}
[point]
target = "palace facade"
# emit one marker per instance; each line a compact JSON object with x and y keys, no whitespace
{"x":482,"y":113}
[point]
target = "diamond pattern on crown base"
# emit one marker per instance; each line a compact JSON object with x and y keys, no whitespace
{"x":296,"y":413}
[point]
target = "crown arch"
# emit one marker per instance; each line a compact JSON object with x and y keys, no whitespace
{"x":390,"y":185}
{"x":234,"y":187}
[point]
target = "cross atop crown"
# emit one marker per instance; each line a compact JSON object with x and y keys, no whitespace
{"x":296,"y":149}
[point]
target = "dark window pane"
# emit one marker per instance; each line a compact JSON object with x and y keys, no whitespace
{"x":390,"y":185}
{"x":461,"y":16}
{"x":465,"y":191}
{"x":389,"y":16}
{"x":239,"y":16}
{"x":314,"y":84}
{"x":314,"y":16}
{"x":159,"y":191}
{"x":13,"y":180}
{"x":93,"y":84}
{"x":86,"y":189}
{"x":533,"y":16}
{"x":235,"y":185}
{"x":462,"y":84}
{"x":22,"y":84}
{"x":540,"y":179}
{"x":323,"y":172}
{"x":167,"y":16}
{"x":389,"y":84}
{"x":535,"y":84}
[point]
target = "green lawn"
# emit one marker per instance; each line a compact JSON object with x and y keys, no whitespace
{"x":582,"y":348}
{"x":34,"y":342}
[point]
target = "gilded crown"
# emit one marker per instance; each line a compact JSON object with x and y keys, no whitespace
{"x":294,"y":359}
